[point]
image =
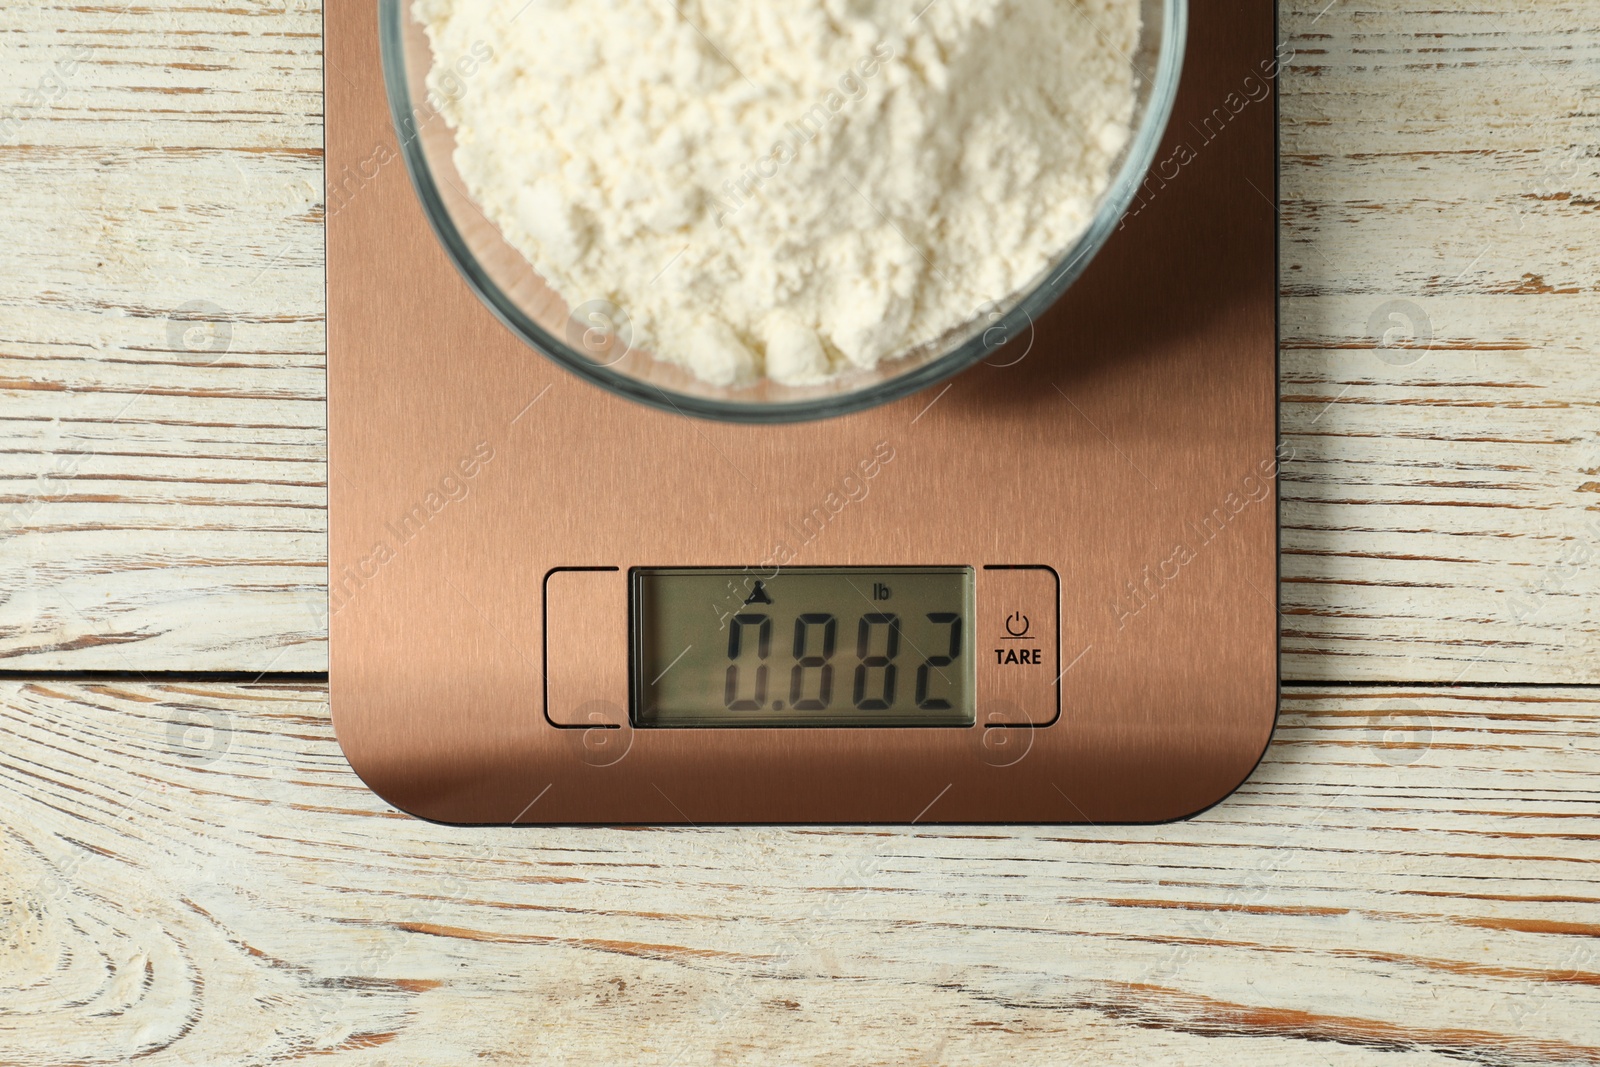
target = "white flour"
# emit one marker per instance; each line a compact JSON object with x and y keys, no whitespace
{"x":788,"y":187}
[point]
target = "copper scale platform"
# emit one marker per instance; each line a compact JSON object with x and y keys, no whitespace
{"x":1115,"y":489}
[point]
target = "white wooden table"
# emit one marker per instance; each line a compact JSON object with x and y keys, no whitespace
{"x":189,"y":872}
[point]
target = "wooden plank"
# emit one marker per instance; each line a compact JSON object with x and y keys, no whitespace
{"x":1438,"y":176}
{"x":191,"y":873}
{"x":159,"y":506}
{"x":162,"y":454}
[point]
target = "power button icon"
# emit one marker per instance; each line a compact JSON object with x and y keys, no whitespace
{"x":1020,"y":612}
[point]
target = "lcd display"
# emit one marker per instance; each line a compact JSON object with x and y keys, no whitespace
{"x":807,"y":646}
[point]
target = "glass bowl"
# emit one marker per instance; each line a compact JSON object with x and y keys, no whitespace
{"x":592,"y":340}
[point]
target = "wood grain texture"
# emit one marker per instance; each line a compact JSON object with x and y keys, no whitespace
{"x":1439,"y":175}
{"x":160,"y":499}
{"x":191,"y":874}
{"x":162,"y":481}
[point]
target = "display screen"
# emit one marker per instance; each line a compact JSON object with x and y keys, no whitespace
{"x":805,"y":646}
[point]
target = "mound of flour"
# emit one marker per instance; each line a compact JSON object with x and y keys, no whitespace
{"x":786,"y":187}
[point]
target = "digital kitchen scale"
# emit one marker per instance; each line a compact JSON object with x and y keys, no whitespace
{"x":1042,"y":592}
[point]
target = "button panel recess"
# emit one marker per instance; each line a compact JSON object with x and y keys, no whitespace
{"x":1018,"y":646}
{"x":586,"y":648}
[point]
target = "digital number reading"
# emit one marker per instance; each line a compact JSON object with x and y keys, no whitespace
{"x":807,"y":647}
{"x":811,"y":676}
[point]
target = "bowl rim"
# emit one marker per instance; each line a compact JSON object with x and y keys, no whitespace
{"x":1067,"y":268}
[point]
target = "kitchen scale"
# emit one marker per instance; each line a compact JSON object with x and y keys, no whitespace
{"x":1044,"y":591}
